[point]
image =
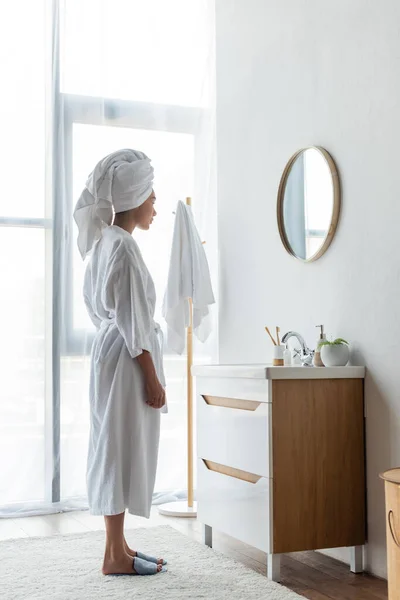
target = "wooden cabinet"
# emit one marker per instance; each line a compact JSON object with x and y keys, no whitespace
{"x":392,"y":496}
{"x":281,"y":457}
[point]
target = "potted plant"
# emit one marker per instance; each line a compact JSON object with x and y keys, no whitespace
{"x":336,"y":353}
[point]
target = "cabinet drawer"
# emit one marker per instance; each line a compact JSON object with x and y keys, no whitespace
{"x":234,"y":432}
{"x":236,"y":503}
{"x":257,"y":390}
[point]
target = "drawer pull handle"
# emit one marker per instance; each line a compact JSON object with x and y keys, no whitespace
{"x":392,"y":528}
{"x":232,"y":403}
{"x":231,"y":472}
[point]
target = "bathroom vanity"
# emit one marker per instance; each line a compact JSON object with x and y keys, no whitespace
{"x":281,"y":458}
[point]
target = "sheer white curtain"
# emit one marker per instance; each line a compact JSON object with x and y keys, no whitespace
{"x":85,"y":78}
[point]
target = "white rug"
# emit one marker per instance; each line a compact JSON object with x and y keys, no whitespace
{"x":66,"y":567}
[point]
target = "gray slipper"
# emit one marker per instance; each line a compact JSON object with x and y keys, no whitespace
{"x":144,"y":567}
{"x":141,"y":567}
{"x":150,"y":559}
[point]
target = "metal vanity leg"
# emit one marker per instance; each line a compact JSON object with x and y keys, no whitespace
{"x":356,"y":559}
{"x":274,"y":567}
{"x":207,"y":535}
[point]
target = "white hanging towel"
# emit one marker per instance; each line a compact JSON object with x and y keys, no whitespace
{"x":188,"y":277}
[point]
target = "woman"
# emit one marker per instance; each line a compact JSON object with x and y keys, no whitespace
{"x":127,"y":380}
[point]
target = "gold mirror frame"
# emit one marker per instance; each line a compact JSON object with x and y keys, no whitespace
{"x":335,"y":210}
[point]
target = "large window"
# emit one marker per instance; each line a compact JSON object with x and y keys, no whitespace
{"x":84,"y":78}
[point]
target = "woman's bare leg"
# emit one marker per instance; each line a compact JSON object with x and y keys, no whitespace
{"x":116,"y":559}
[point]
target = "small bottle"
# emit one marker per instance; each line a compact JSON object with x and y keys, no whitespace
{"x":295,"y":359}
{"x":317,"y":362}
{"x":287,"y":357}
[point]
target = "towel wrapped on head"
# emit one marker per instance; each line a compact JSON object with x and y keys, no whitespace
{"x":120,"y":181}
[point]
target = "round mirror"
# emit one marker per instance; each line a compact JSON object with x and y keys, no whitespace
{"x":308,"y":203}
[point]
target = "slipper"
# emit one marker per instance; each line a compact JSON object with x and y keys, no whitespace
{"x":142,"y":567}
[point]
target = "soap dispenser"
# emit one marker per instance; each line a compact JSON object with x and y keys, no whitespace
{"x":317,"y":355}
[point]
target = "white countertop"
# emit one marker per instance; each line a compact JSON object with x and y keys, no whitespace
{"x":264,"y":371}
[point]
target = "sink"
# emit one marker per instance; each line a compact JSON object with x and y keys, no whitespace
{"x":268,"y":371}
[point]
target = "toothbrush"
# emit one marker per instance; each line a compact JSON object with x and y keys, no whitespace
{"x":269,"y":333}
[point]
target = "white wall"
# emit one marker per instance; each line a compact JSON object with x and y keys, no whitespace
{"x":293,"y":73}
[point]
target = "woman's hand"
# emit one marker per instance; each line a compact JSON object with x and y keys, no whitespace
{"x":154,"y":390}
{"x":155,"y":393}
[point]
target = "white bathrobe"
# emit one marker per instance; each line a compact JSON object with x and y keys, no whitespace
{"x":124,"y":431}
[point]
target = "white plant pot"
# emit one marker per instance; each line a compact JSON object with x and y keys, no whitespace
{"x":335,"y":356}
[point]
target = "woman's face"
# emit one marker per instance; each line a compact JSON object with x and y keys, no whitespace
{"x":146,"y":212}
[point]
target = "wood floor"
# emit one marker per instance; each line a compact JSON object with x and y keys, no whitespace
{"x":311,"y":575}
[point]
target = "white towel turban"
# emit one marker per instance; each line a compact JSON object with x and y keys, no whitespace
{"x":121,"y":181}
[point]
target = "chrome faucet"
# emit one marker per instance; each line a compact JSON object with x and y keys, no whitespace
{"x":306,"y":355}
